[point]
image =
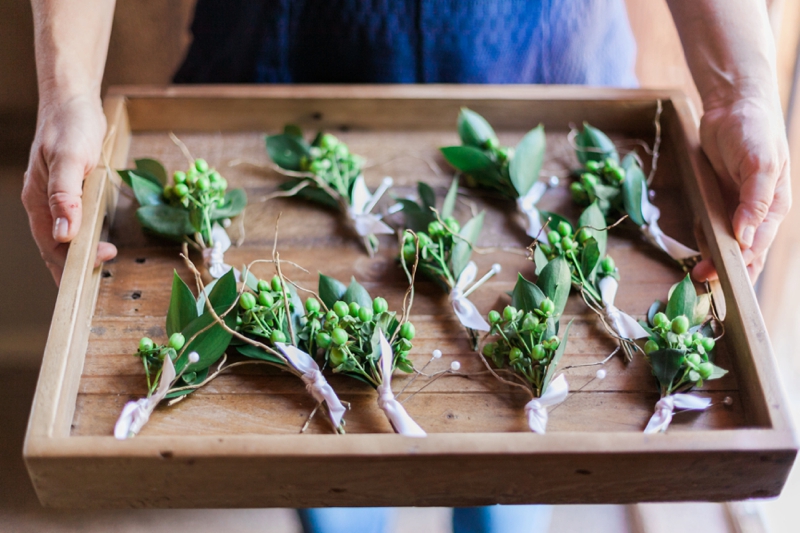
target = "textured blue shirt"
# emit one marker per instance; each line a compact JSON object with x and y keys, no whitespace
{"x":585,"y":42}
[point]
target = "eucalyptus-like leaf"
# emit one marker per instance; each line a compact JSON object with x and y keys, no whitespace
{"x":182,"y":306}
{"x":590,"y":259}
{"x":717,"y":373}
{"x":449,"y":205}
{"x":127,"y":173}
{"x":539,"y":260}
{"x":468,"y":159}
{"x":594,"y":145}
{"x":666,"y":365}
{"x":146,"y":192}
{"x":165,"y":220}
{"x":683,"y":300}
{"x":526,"y":295}
{"x":633,"y":188}
{"x":701,"y":309}
{"x":416,"y":219}
{"x":553,"y":365}
{"x":153,"y":168}
{"x":312,"y":193}
{"x":209,"y":345}
{"x":330,"y":290}
{"x":555,"y":281}
{"x":473,"y":129}
{"x":357,"y":293}
{"x":235,"y":202}
{"x":287,"y":150}
{"x":592,"y":218}
{"x":426,"y":196}
{"x":462,"y":247}
{"x":526,"y":164}
{"x":254,"y":352}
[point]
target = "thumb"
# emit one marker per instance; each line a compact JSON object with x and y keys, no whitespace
{"x":65,"y":189}
{"x":755,"y":199}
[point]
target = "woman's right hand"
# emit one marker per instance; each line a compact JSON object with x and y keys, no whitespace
{"x":67,"y":146}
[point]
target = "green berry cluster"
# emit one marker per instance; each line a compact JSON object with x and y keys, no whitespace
{"x":344,"y":336}
{"x":564,"y":241}
{"x":436,"y":245}
{"x":525,"y":341}
{"x":331,"y":161}
{"x":200,"y":190}
{"x":677,"y":334}
{"x":263,"y":313}
{"x":153,"y":355}
{"x":601,"y":181}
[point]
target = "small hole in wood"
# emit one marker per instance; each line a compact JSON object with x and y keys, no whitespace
{"x":140,"y":260}
{"x":136,"y":295}
{"x":167,"y":454}
{"x":106,"y":274}
{"x":583,"y":472}
{"x":316,"y":116}
{"x":344,"y":128}
{"x":338,"y":490}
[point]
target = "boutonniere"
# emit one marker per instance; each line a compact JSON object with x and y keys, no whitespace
{"x":444,"y":248}
{"x":195,"y":208}
{"x":511,"y":172}
{"x":621,"y":189}
{"x":326,"y":172}
{"x":197,"y":341}
{"x":680,"y":348}
{"x":594,"y":275}
{"x":526,"y":338}
{"x":361,"y":338}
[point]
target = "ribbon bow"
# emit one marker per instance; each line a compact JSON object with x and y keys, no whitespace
{"x":465,"y":310}
{"x":666,"y":406}
{"x":623,"y":324}
{"x":656,"y":236}
{"x":536,"y":409}
{"x":362,"y":202}
{"x":316,"y":384}
{"x":214,"y":257}
{"x":527,"y":207}
{"x":136,"y":414}
{"x":397,"y":415}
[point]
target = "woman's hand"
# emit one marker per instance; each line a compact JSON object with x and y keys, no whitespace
{"x":67,"y":146}
{"x":745,"y":141}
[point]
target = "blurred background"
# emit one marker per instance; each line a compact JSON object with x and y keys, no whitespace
{"x":147,"y":44}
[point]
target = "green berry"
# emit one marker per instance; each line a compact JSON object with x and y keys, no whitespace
{"x":529,"y":322}
{"x":616,"y":174}
{"x":547,"y":307}
{"x":341,"y":309}
{"x":380,"y":305}
{"x":337,"y":356}
{"x":452,"y":224}
{"x":339,"y":337}
{"x":265,"y":299}
{"x":584,"y":235}
{"x":407,"y":330}
{"x":262,"y":286}
{"x":215,"y":177}
{"x":315,"y":324}
{"x":509,"y":313}
{"x":589,"y":181}
{"x":168,"y":192}
{"x":567,"y":244}
{"x":693,"y":359}
{"x":145,"y":344}
{"x":650,"y":347}
{"x":404,"y":345}
{"x":578,"y":192}
{"x":708,"y":344}
{"x":176,"y":341}
{"x":608,"y":265}
{"x":694,"y":376}
{"x":424,"y":240}
{"x":592,"y":166}
{"x":181,"y":190}
{"x":353,"y":308}
{"x":328,"y":141}
{"x":491,"y":143}
{"x":494,"y":317}
{"x":554,"y":237}
{"x":202,"y":183}
{"x":705,"y":370}
{"x":191,"y":176}
{"x":488,"y":349}
{"x":179,"y":177}
{"x":342,"y":151}
{"x":687,"y":340}
{"x":312,"y":305}
{"x":201,"y":165}
{"x":365,"y":314}
{"x":323,"y":340}
{"x":435,"y":229}
{"x":247,"y":301}
{"x":660,"y":320}
{"x":331,"y":317}
{"x":277,"y":286}
{"x":409,"y":252}
{"x":680,"y":325}
{"x":277,"y":336}
{"x":538,"y":352}
{"x":514,"y":354}
{"x":554,"y":342}
{"x":564,"y":229}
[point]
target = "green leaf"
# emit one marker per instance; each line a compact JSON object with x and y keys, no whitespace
{"x":555,"y":220}
{"x":293,"y":130}
{"x":165,"y":220}
{"x":449,"y":205}
{"x":209,"y":345}
{"x":297,"y":312}
{"x":182,"y":306}
{"x":201,"y":298}
{"x":146,"y":192}
{"x":469,"y":160}
{"x":683,"y":300}
{"x":655,"y":308}
{"x":287,"y":150}
{"x":527,"y":161}
{"x":154,"y":168}
{"x":555,"y":280}
{"x":311,"y":192}
{"x":717,"y":373}
{"x":415,"y":218}
{"x":590,"y":258}
{"x":600,"y":146}
{"x":666,"y":365}
{"x":526,"y":295}
{"x":539,"y":260}
{"x":235,"y":202}
{"x":632,"y":188}
{"x":224,"y":292}
{"x":254,"y":352}
{"x":358,"y":294}
{"x":701,"y":309}
{"x":127,"y":173}
{"x":462,"y":249}
{"x":551,"y":368}
{"x":330,"y":290}
{"x":473,"y":129}
{"x":426,"y":196}
{"x":592,"y":219}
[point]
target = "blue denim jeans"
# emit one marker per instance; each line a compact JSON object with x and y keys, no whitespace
{"x":494,"y":519}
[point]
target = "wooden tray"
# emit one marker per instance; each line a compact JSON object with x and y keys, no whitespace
{"x":235,"y":443}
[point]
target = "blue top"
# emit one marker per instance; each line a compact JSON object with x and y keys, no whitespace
{"x":585,"y":42}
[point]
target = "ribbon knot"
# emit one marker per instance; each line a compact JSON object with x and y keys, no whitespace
{"x":394,"y":410}
{"x":214,"y":256}
{"x":536,"y":409}
{"x":655,"y":235}
{"x":465,"y":310}
{"x":623,"y":324}
{"x":526,"y":205}
{"x":665,"y":407}
{"x":362,"y":202}
{"x":136,"y":414}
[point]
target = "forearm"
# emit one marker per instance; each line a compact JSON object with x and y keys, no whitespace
{"x":729,"y":48}
{"x":71,"y":39}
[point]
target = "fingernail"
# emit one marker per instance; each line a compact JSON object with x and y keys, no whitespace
{"x":748,"y":235}
{"x":60,"y":229}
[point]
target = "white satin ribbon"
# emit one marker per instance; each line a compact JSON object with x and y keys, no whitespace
{"x":666,"y":406}
{"x":527,"y":208}
{"x":214,"y":256}
{"x":362,"y":202}
{"x":136,"y":414}
{"x":623,"y":324}
{"x":316,"y":384}
{"x":536,"y":409}
{"x":397,"y":415}
{"x":656,"y":236}
{"x":465,"y":310}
